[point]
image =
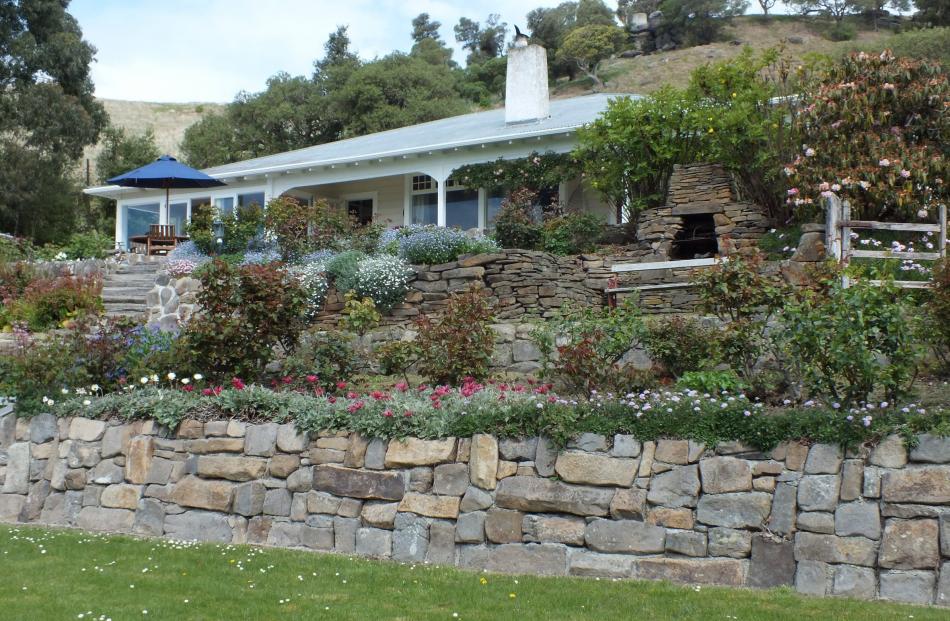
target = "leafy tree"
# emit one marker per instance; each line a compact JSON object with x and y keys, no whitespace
{"x":210,"y":142}
{"x":396,"y":91}
{"x":122,"y":152}
{"x":629,"y":152}
{"x":589,"y":46}
{"x":932,"y":12}
{"x":698,"y":22}
{"x":836,"y":9}
{"x":481,"y":42}
{"x":47,"y":115}
{"x":594,"y":12}
{"x":548,"y":27}
{"x":878,"y":8}
{"x":433,"y":52}
{"x":766,"y":6}
{"x":424,"y":28}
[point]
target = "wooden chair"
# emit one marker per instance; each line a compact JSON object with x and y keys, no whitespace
{"x":161,"y":239}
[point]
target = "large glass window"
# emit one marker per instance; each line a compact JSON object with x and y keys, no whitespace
{"x":424,"y":201}
{"x":225,"y":205}
{"x":178,"y":216}
{"x":493,"y":201}
{"x":251,"y":199}
{"x":138,"y":218}
{"x":461,"y":208}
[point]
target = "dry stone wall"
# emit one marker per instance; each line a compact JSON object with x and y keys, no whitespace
{"x":864,"y":524}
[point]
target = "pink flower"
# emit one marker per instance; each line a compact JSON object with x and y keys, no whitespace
{"x":355,"y":407}
{"x":824,"y":186}
{"x":237,"y":383}
{"x":188,"y":388}
{"x":792,"y":191}
{"x":905,"y":173}
{"x":206,"y":392}
{"x":884,"y":163}
{"x":407,"y":414}
{"x":809,"y":152}
{"x":402,"y":386}
{"x":341,"y":385}
{"x":312,"y":378}
{"x":388,"y":413}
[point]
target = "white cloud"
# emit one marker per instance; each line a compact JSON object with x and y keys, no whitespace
{"x":181,"y":50}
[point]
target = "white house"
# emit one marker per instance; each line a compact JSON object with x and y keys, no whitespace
{"x":396,"y":177}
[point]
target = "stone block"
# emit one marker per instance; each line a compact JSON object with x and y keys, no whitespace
{"x":483,"y":461}
{"x":923,"y":484}
{"x":678,"y":487}
{"x":107,"y":472}
{"x":249,"y":498}
{"x":818,"y":492}
{"x":236,"y":428}
{"x":441,"y":543}
{"x":414,"y":452}
{"x":536,"y":495}
{"x":624,"y":536}
{"x":214,"y":445}
{"x":628,"y":504}
{"x":595,"y":469}
{"x":355,"y":455}
{"x":375,"y":458}
{"x":359,"y":483}
{"x":503,"y":525}
{"x":321,"y":502}
{"x":420,"y":479}
{"x":944,"y":523}
{"x":795,"y":456}
{"x":33,"y":506}
{"x":725,"y":572}
{"x":430,"y":505}
{"x":231,"y":468}
{"x":817,"y":522}
{"x":812,"y":577}
{"x":912,"y":587}
{"x":295,"y":535}
{"x":281,"y":466}
{"x":75,"y":479}
{"x":734,"y":510}
{"x":201,"y":494}
{"x":300,"y":480}
{"x":852,"y":479}
{"x":832,"y":549}
{"x":725,"y":474}
{"x":518,"y":449}
{"x":824,"y":459}
{"x":10,"y":507}
{"x":729,"y":542}
{"x":475,"y":499}
{"x":450,"y":479}
{"x":553,"y":529}
{"x":379,"y":514}
{"x":43,"y":428}
{"x":596,"y":565}
{"x":289,"y":440}
{"x":122,"y":496}
{"x":506,"y":469}
{"x":686,"y":542}
{"x":17,"y":480}
{"x":374,"y":542}
{"x":139,"y":459}
{"x":149,"y":518}
{"x":545,"y":457}
{"x":943,"y":587}
{"x":852,"y":581}
{"x":672,"y":452}
{"x":546,"y":559}
{"x":590,"y":442}
{"x":772,"y":564}
{"x":350,"y":508}
{"x":680,"y":517}
{"x":344,"y":534}
{"x":470,"y":527}
{"x":86,"y":430}
{"x":858,"y":518}
{"x":931,"y":449}
{"x":277,"y":502}
{"x":625,"y":446}
{"x":410,"y":538}
{"x":261,"y":440}
{"x":889,"y":453}
{"x":109,"y":520}
{"x":910,"y":544}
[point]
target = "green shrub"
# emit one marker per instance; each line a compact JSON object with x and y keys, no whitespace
{"x":921,"y":43}
{"x":245,"y":313}
{"x":573,"y":233}
{"x":397,"y":357}
{"x":460,"y":344}
{"x":841,"y":31}
{"x":342,"y":270}
{"x":326,"y":356}
{"x":681,"y":343}
{"x":46,"y":303}
{"x":847,"y":342}
{"x":359,"y":315}
{"x":240,"y":226}
{"x":713,"y":382}
{"x":515,"y":226}
{"x":936,"y":322}
{"x":384,"y":279}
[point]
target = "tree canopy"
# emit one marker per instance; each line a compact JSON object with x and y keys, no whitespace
{"x":47,"y":115}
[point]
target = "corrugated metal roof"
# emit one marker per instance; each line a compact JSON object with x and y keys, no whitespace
{"x":456,"y":131}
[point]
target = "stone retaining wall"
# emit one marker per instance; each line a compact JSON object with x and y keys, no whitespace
{"x":869,"y":524}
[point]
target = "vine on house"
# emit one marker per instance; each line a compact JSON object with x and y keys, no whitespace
{"x":534,"y":172}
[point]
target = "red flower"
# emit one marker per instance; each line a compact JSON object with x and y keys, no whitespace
{"x":331,"y":399}
{"x":237,"y":383}
{"x":288,"y":379}
{"x":341,"y":385}
{"x":407,"y":414}
{"x":402,"y":386}
{"x":312,"y":378}
{"x":122,"y":380}
{"x":319,"y":391}
{"x":379,"y":395}
{"x":217,"y":390}
{"x":388,"y":413}
{"x":351,"y":395}
{"x":187,"y":387}
{"x":354,"y":407}
{"x":207,"y":392}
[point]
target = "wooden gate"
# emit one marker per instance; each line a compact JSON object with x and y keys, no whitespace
{"x":839,"y":225}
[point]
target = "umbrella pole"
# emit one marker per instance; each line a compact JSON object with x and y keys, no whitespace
{"x":168,"y":207}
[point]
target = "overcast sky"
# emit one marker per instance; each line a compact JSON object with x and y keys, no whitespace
{"x":208,"y":50}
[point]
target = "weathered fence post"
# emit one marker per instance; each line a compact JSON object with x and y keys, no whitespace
{"x":942,"y":245}
{"x":832,"y":232}
{"x":845,"y":248}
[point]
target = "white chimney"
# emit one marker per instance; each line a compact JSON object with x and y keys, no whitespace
{"x":526,"y":85}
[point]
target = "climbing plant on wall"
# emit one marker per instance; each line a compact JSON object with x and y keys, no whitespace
{"x":537,"y":171}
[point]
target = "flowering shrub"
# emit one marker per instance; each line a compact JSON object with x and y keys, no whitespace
{"x":313,"y":279}
{"x":240,"y":226}
{"x":681,"y":343}
{"x":937,"y":312}
{"x":461,"y":343}
{"x":515,"y":226}
{"x":261,"y":257}
{"x":342,"y":269}
{"x":322,"y":359}
{"x":245,"y":313}
{"x":575,"y":232}
{"x":180,"y":268}
{"x":188,"y":251}
{"x":873,"y":130}
{"x":432,"y":245}
{"x":42,"y":302}
{"x":384,"y":279}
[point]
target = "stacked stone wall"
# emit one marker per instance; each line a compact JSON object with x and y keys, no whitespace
{"x":867,"y":524}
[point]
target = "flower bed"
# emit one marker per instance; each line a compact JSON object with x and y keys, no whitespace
{"x":521,"y":409}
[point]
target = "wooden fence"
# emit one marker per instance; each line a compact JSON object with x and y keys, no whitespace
{"x":839,"y":225}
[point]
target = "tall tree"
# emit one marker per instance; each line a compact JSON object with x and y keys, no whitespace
{"x":698,"y":22}
{"x":589,"y":46}
{"x":548,"y":26}
{"x":47,"y":115}
{"x":210,"y":142}
{"x":424,"y":28}
{"x":122,"y":152}
{"x":766,"y":6}
{"x":594,"y":12}
{"x":933,"y":12}
{"x":481,"y":42}
{"x":836,"y":9}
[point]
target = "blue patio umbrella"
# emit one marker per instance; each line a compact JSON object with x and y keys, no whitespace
{"x":165,"y":173}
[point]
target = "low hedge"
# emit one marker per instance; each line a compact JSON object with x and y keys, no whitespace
{"x":513,"y":410}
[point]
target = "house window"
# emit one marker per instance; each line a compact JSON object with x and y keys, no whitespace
{"x":138,"y":219}
{"x":360,"y":210}
{"x":178,"y":216}
{"x":225,"y":204}
{"x":254,"y":198}
{"x":424,"y":200}
{"x":493,"y":201}
{"x":461,"y":206}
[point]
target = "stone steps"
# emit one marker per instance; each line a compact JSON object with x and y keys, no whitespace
{"x":124,"y":290}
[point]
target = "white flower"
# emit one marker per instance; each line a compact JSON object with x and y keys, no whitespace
{"x":185,"y":380}
{"x":809,"y":152}
{"x":171,"y":376}
{"x":65,"y":391}
{"x":94,"y":388}
{"x":144,"y":380}
{"x":86,"y":402}
{"x":198,"y":377}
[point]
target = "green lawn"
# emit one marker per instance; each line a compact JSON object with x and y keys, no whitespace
{"x":57,"y":574}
